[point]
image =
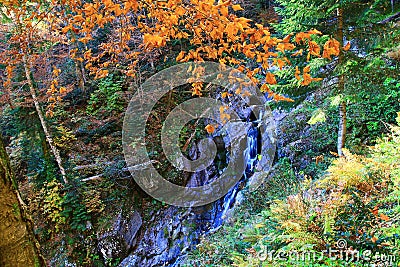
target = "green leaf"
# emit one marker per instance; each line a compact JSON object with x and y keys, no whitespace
{"x":317,"y":116}
{"x":335,"y":101}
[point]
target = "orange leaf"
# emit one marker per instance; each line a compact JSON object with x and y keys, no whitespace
{"x":180,"y":11}
{"x":306,"y":79}
{"x":210,"y":129}
{"x":384,"y":217}
{"x":298,"y":53}
{"x":66,"y":29}
{"x":331,"y":47}
{"x":63,"y":90}
{"x":347,"y":46}
{"x":375,"y":210}
{"x":287,"y":38}
{"x":301,"y":36}
{"x":314,"y":31}
{"x":56,"y":71}
{"x":265,"y":89}
{"x":314,"y":48}
{"x":297,"y":73}
{"x":246,"y":93}
{"x":270,"y":78}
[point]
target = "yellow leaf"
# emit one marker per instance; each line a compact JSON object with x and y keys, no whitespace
{"x":259,"y":225}
{"x":180,"y":56}
{"x":225,"y":94}
{"x":56,"y":71}
{"x":237,"y":7}
{"x":314,"y":31}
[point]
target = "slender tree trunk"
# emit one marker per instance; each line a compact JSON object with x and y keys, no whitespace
{"x":80,"y":75}
{"x":342,"y":106}
{"x":18,"y":246}
{"x":342,"y":127}
{"x":39,"y":111}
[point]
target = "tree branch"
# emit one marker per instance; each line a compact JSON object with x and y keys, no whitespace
{"x":391,"y":18}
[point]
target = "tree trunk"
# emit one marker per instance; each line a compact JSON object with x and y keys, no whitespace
{"x":342,"y":106}
{"x":39,"y":111}
{"x":18,"y":247}
{"x":342,"y":128}
{"x":79,"y":75}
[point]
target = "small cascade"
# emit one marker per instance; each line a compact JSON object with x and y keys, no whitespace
{"x":224,"y":205}
{"x":252,"y":149}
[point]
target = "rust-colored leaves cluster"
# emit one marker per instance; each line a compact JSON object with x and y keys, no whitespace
{"x":144,"y":31}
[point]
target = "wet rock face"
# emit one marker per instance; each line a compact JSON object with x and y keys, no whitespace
{"x":170,"y":232}
{"x":121,"y":237}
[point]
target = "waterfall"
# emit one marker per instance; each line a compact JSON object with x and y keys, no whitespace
{"x":252,"y":149}
{"x":222,"y":207}
{"x":251,"y":153}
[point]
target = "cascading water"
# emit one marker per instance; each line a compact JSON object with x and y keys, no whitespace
{"x":252,"y":149}
{"x":251,"y":153}
{"x":224,"y":205}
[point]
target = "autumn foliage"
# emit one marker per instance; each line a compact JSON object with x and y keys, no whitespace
{"x":146,"y":30}
{"x":203,"y":30}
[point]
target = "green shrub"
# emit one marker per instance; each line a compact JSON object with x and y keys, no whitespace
{"x":108,"y":97}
